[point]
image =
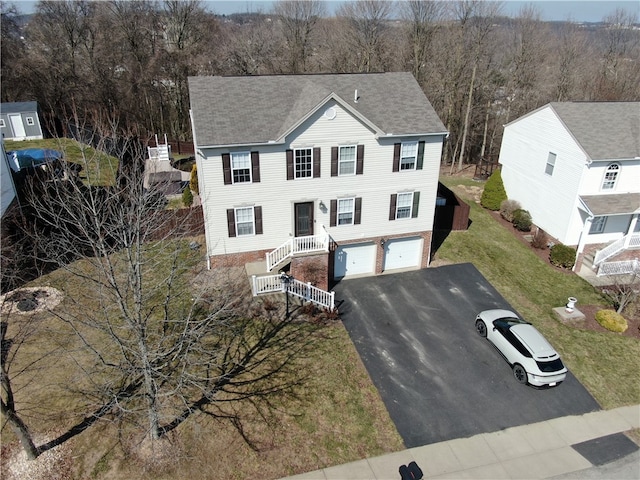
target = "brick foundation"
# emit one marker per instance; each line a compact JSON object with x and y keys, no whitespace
{"x":313,"y":269}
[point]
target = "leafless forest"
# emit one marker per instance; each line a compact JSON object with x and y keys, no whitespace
{"x":126,"y":63}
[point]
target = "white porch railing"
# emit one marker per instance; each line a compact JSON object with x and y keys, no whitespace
{"x":308,"y":244}
{"x":306,"y":291}
{"x":619,"y":268}
{"x":616,"y":247}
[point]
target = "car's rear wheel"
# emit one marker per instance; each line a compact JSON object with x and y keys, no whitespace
{"x":481,"y":328}
{"x":520,"y":373}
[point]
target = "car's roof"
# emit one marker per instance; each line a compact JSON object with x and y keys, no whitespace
{"x":534,"y":341}
{"x":491,"y":315}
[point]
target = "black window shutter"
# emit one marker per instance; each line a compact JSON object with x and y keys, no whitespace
{"x":255,"y":167}
{"x":416,"y":202}
{"x":396,"y":157}
{"x":257,"y":216}
{"x":289,"y":164}
{"x":358,"y":212}
{"x":231,"y":222}
{"x":316,"y":162}
{"x":334,"y":161}
{"x":392,"y":206}
{"x":420,"y":156}
{"x":226,"y":168}
{"x":333,"y":213}
{"x":360,"y":159}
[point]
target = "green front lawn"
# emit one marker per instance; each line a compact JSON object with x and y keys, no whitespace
{"x":606,"y":363}
{"x":98,"y":168}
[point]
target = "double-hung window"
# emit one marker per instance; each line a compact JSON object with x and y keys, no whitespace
{"x":404,"y":204}
{"x":408,"y":155}
{"x":345,"y":211}
{"x":597,"y":225}
{"x":304,"y":163}
{"x":610,"y":177}
{"x":241,"y":167}
{"x":244,"y":221}
{"x":551,"y":163}
{"x":347,"y":160}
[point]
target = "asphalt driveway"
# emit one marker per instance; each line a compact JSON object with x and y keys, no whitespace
{"x":437,"y":377}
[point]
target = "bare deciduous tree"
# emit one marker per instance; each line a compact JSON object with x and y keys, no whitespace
{"x":144,"y":335}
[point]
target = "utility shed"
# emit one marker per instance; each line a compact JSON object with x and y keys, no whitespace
{"x":20,"y":121}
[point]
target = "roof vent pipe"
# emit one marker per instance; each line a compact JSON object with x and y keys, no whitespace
{"x":355,"y":96}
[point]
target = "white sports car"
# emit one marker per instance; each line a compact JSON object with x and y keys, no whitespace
{"x":532,"y":358}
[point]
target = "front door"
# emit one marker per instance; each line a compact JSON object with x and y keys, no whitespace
{"x":304,"y":219}
{"x":18,"y":127}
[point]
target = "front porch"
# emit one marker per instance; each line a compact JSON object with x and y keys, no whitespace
{"x":599,"y":261}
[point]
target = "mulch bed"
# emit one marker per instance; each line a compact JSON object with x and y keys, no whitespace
{"x":589,"y":311}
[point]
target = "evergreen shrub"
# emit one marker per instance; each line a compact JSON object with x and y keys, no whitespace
{"x":494,"y":193}
{"x":193,"y":180}
{"x":612,"y":321}
{"x":522,"y":220}
{"x":187,"y":196}
{"x":562,"y":256}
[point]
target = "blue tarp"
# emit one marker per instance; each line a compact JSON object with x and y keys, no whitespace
{"x":32,"y":157}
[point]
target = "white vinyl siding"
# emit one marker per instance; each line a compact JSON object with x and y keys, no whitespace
{"x":277,"y":196}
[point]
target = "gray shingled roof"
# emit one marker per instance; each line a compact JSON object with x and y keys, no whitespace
{"x":18,"y":107}
{"x":605,"y":130}
{"x":619,"y":204}
{"x":259,"y":109}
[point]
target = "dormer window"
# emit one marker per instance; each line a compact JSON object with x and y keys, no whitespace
{"x":610,"y":177}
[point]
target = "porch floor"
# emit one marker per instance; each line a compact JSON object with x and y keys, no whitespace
{"x":257,"y":268}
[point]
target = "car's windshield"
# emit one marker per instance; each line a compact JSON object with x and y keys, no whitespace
{"x":552,"y":366}
{"x":511,"y":321}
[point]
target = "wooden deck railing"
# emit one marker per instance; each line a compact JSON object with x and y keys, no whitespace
{"x":308,"y":244}
{"x":305,"y":291}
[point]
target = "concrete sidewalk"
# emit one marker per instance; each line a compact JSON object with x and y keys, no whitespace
{"x":541,"y":450}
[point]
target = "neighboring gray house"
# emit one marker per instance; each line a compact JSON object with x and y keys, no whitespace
{"x":8,"y":187}
{"x":20,"y":121}
{"x":336,"y":170}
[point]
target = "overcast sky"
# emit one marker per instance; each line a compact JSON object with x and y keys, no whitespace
{"x":575,"y":10}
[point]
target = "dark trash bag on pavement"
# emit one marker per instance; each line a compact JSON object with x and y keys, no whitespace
{"x":410,"y":472}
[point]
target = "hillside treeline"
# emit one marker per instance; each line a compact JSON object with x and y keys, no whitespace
{"x":125,"y":64}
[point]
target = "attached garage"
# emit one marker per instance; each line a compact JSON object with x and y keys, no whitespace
{"x":402,"y":253}
{"x":356,"y":259}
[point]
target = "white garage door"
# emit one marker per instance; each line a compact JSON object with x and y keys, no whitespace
{"x":402,"y":253}
{"x":354,"y":259}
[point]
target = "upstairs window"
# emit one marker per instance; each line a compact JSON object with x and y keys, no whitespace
{"x":408,"y":155}
{"x":551,"y":163}
{"x":347,"y":160}
{"x":610,"y":177}
{"x":241,"y":167}
{"x":304,"y":163}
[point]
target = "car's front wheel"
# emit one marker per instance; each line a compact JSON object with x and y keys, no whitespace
{"x":520,"y":373}
{"x":481,"y":328}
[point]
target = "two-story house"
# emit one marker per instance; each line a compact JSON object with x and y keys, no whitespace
{"x":576,"y":167}
{"x":330,"y":175}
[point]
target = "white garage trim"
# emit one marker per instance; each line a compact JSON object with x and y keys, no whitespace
{"x":355,"y":259}
{"x":402,"y":253}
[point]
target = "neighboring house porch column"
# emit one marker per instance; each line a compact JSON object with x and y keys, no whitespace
{"x":632,"y":228}
{"x":581,"y":243}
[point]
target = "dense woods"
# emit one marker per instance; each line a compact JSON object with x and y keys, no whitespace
{"x":126,"y":63}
